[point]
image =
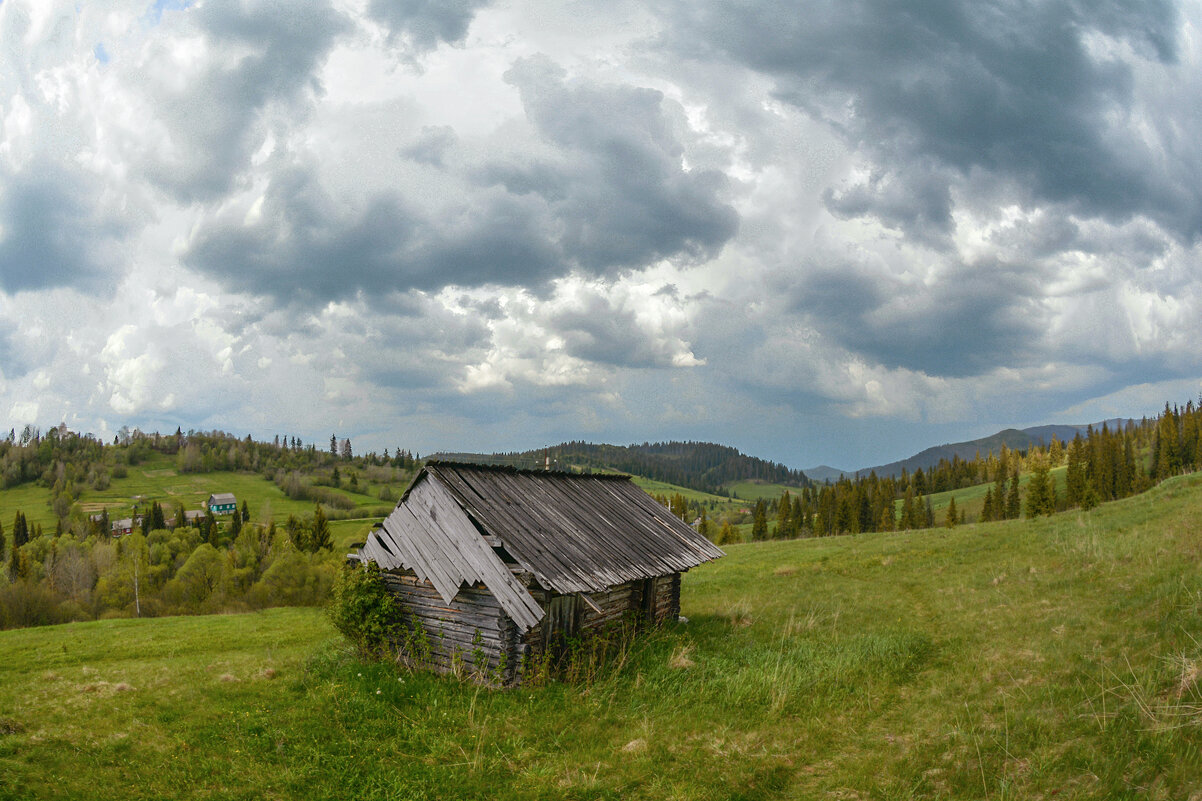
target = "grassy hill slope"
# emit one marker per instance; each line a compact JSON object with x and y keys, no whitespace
{"x":158,"y":480}
{"x":1058,"y":658}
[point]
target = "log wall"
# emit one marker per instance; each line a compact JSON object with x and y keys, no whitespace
{"x":449,"y":636}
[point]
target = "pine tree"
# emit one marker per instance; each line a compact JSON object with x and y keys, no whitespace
{"x":1074,"y":479}
{"x":320,"y":539}
{"x":297,"y":533}
{"x":999,"y":494}
{"x":20,"y":530}
{"x":908,"y":518}
{"x":245,"y":513}
{"x":726,"y":535}
{"x":953,"y":516}
{"x":1013,"y":505}
{"x":784,"y":517}
{"x":887,"y":519}
{"x":1041,"y":493}
{"x":929,"y":515}
{"x":987,"y":511}
{"x":210,"y":529}
{"x":1055,"y":452}
{"x":759,"y":521}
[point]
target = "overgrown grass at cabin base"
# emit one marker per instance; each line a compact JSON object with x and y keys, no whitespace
{"x":1053,"y":659}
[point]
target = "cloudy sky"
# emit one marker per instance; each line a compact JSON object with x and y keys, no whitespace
{"x":819,"y":232}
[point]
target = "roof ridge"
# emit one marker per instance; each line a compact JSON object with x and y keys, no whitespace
{"x":525,"y":471}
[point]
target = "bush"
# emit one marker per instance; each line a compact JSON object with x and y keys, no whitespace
{"x":363,"y":609}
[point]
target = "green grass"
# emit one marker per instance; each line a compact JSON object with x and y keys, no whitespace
{"x":1058,"y":658}
{"x":653,"y":487}
{"x":158,"y":480}
{"x":755,"y":490}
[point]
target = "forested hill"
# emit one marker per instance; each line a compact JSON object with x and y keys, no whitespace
{"x":1012,"y":438}
{"x":698,"y":465}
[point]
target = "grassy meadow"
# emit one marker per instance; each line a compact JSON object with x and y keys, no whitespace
{"x":157,"y":479}
{"x":1057,"y":658}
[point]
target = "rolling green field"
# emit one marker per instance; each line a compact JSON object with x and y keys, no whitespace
{"x":653,"y":487}
{"x":158,"y":480}
{"x":1056,"y":658}
{"x":755,"y":490}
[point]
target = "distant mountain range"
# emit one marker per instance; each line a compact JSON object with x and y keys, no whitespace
{"x":1013,"y":438}
{"x":709,"y":467}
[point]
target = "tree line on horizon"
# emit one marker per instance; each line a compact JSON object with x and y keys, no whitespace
{"x":1101,"y":465}
{"x":702,"y":466}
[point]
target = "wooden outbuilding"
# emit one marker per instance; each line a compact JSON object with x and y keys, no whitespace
{"x":500,"y":565}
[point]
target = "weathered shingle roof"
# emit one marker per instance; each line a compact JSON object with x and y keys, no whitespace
{"x":574,"y":533}
{"x":222,"y":498}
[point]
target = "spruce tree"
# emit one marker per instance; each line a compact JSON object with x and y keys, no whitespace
{"x":759,"y":521}
{"x":1074,"y":479}
{"x":1013,"y":506}
{"x":1041,"y":493}
{"x":297,"y":533}
{"x":908,"y":518}
{"x":321,"y":531}
{"x":784,"y":517}
{"x":987,"y":511}
{"x":953,"y":517}
{"x":1055,"y":452}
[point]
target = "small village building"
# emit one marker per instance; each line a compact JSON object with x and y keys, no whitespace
{"x":222,"y":503}
{"x":500,"y":564}
{"x":190,"y":516}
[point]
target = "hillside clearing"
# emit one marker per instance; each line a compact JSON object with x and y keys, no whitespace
{"x":1051,"y":658}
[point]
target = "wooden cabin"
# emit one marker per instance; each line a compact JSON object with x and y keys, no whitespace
{"x":501,"y":565}
{"x":222,"y":503}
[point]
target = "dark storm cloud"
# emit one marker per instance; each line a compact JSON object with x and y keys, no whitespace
{"x":619,"y":192}
{"x":1010,"y":89}
{"x":304,"y":247}
{"x":50,"y":233}
{"x":262,"y":55}
{"x":423,"y":24}
{"x":611,"y":195}
{"x":917,"y":200}
{"x":969,"y":323}
{"x":597,"y":330}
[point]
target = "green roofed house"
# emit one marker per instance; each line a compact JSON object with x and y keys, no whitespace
{"x":222,"y":503}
